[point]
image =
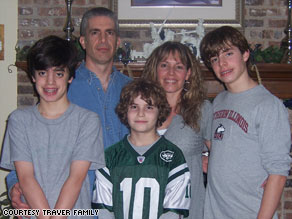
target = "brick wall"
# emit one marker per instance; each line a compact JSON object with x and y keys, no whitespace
{"x":265,"y":21}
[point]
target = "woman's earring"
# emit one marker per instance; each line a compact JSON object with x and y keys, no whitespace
{"x":186,"y":85}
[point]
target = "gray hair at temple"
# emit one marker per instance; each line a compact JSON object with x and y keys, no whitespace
{"x":95,"y":12}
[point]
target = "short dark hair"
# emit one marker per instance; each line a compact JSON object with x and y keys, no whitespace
{"x":95,"y":12}
{"x":220,"y":39}
{"x":151,"y":92}
{"x":52,"y":51}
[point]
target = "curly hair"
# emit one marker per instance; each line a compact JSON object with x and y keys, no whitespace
{"x":194,"y":94}
{"x":151,"y":92}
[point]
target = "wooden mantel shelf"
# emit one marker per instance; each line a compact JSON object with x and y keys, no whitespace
{"x":277,"y":78}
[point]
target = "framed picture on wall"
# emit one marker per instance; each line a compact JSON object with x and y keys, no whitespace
{"x":178,"y":13}
{"x":176,"y":3}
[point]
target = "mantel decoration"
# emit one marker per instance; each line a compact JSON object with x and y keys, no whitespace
{"x":68,"y":28}
{"x":287,"y":41}
{"x":159,"y":36}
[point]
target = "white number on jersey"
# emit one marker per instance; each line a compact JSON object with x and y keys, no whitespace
{"x":126,"y":188}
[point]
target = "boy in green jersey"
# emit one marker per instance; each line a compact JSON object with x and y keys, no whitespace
{"x":146,"y":176}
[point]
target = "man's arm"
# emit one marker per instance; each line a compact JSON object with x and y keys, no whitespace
{"x":272,"y":194}
{"x":11,"y":180}
{"x":91,"y":176}
{"x":72,"y":186}
{"x":32,"y":191}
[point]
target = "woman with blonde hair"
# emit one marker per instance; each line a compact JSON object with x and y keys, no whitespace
{"x":189,"y":125}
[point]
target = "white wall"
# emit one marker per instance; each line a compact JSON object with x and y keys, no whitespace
{"x":8,"y":81}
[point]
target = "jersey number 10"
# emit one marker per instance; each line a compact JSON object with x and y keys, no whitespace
{"x":142,"y":183}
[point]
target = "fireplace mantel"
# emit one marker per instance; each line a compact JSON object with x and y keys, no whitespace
{"x":277,"y":78}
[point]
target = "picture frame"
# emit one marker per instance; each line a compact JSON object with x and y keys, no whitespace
{"x":1,"y":41}
{"x":230,"y":13}
{"x":176,"y":2}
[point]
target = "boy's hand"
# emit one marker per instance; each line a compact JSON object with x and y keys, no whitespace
{"x":15,"y":195}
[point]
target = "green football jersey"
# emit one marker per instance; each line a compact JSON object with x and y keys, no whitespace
{"x":137,"y":187}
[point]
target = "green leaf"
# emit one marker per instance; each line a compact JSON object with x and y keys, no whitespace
{"x":3,"y":194}
{"x":271,"y":54}
{"x":5,"y":202}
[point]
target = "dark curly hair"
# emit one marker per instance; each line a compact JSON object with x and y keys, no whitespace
{"x":151,"y":92}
